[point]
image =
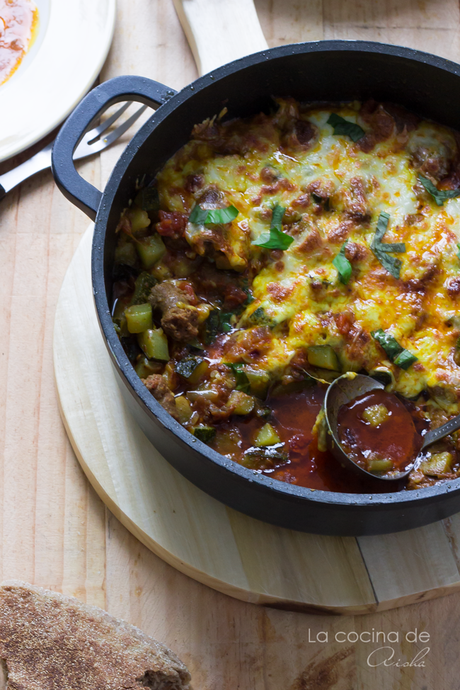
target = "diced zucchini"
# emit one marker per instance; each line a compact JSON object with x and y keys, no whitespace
{"x":192,"y":368}
{"x":204,"y":433}
{"x":183,"y":267}
{"x":258,"y":381}
{"x":145,"y":367}
{"x":150,"y":250}
{"x":144,"y":284}
{"x":264,"y":458}
{"x":240,"y":403}
{"x":183,"y":409}
{"x":139,"y":219}
{"x":266,"y":436}
{"x":147,"y":199}
{"x":439,"y":463}
{"x":139,"y":317}
{"x":125,"y":253}
{"x":376,"y":414}
{"x":207,"y":394}
{"x":377,"y":466}
{"x":323,"y":357}
{"x":154,"y":344}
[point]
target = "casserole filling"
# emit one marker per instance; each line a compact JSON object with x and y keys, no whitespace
{"x":271,"y":254}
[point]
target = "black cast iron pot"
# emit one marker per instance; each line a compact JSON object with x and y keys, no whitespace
{"x":324,"y":71}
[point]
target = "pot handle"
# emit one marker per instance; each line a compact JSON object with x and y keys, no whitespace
{"x":128,"y":88}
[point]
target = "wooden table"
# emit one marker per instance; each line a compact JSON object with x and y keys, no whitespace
{"x":57,"y":533}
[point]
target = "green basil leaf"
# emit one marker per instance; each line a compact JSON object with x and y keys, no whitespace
{"x":275,"y":238}
{"x":342,"y":126}
{"x":396,"y":247}
{"x":405,"y":359}
{"x":242,"y":381}
{"x":212,"y":326}
{"x":342,"y":265}
{"x":198,"y":215}
{"x":225,"y":319}
{"x":396,"y":353}
{"x":388,"y":342}
{"x":382,"y":227}
{"x":217,"y":216}
{"x":439,"y":195}
{"x":389,"y":263}
{"x":220,"y":216}
{"x":381,"y":251}
{"x":277,"y":217}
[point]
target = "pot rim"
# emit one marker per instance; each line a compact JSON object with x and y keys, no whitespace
{"x":366,"y":501}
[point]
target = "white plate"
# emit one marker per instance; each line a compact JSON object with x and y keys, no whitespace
{"x":72,"y":43}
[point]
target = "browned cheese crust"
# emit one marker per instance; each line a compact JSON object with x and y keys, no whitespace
{"x":53,"y":642}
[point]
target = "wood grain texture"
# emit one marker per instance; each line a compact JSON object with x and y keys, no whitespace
{"x":199,"y":536}
{"x":219,"y":31}
{"x":193,"y":532}
{"x":56,"y":532}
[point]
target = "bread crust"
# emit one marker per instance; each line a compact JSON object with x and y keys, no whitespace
{"x":53,"y":642}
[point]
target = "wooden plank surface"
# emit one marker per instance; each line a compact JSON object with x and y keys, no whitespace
{"x":55,"y":530}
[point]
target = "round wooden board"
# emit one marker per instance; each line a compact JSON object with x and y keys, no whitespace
{"x":235,"y":554}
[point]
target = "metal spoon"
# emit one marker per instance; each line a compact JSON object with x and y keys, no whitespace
{"x":348,"y":387}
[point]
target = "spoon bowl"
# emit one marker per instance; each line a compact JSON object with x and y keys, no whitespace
{"x":345,"y":389}
{"x":342,"y":391}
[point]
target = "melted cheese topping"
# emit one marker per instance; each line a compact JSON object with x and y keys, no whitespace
{"x":333,"y":190}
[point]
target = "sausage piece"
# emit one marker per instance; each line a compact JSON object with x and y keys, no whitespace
{"x":158,"y":387}
{"x":179,"y":318}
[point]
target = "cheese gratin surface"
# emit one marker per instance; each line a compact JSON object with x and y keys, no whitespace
{"x":295,"y":310}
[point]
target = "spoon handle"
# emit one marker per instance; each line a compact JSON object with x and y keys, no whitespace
{"x":441,"y":431}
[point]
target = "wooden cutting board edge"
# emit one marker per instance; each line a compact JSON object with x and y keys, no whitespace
{"x":375,"y":552}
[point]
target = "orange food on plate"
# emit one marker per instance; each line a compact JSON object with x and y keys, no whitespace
{"x":18,"y":22}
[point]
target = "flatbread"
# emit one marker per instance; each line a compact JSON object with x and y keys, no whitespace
{"x":52,"y":642}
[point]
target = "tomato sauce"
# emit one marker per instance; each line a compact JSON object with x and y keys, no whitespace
{"x":293,"y":416}
{"x":391,"y":438}
{"x":18,"y":24}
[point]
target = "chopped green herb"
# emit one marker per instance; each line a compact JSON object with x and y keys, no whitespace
{"x":342,"y":265}
{"x":144,"y":284}
{"x":217,"y":322}
{"x":275,"y":238}
{"x":439,"y":195}
{"x":242,"y":381}
{"x":397,"y":354}
{"x":405,"y":359}
{"x":212,"y":326}
{"x":388,"y":342}
{"x":225,"y":319}
{"x":380,"y":250}
{"x":187,"y":366}
{"x":218,"y":216}
{"x":259,"y":317}
{"x":345,"y":127}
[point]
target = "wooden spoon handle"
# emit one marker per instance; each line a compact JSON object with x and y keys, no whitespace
{"x":219,"y":31}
